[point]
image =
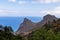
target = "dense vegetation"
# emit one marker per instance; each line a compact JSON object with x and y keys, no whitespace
{"x":49,"y":31}
{"x":6,"y":33}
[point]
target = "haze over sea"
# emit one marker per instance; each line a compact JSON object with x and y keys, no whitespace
{"x":15,"y":22}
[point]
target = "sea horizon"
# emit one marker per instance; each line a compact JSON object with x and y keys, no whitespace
{"x":15,"y":22}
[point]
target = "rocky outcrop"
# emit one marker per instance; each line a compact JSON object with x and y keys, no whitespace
{"x":28,"y":26}
{"x":46,"y":19}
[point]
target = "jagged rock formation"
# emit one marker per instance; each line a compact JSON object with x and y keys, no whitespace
{"x":28,"y":26}
{"x":46,"y":19}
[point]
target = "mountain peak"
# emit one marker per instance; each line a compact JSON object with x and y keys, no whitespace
{"x":26,"y":27}
{"x":26,"y":20}
{"x":49,"y":17}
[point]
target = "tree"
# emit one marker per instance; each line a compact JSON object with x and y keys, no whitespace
{"x":50,"y":35}
{"x":10,"y":28}
{"x":57,"y":37}
{"x":39,"y":34}
{"x":1,"y":28}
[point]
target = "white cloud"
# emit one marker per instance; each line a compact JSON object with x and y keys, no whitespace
{"x":45,"y":1}
{"x":8,"y":13}
{"x":12,"y":0}
{"x":57,"y":10}
{"x":35,"y":1}
{"x":19,"y":13}
{"x":22,"y":2}
{"x":30,"y":12}
{"x":53,"y":11}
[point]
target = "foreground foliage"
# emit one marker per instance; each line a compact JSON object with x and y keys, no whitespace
{"x":49,"y":31}
{"x":6,"y":33}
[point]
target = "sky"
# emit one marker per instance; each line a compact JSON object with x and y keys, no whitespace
{"x":35,"y":8}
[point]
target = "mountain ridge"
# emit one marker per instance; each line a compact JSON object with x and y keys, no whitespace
{"x":28,"y":26}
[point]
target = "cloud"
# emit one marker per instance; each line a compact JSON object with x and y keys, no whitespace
{"x":22,"y":2}
{"x":34,"y":1}
{"x":8,"y":12}
{"x":57,"y":10}
{"x":19,"y":13}
{"x":30,"y":12}
{"x":53,"y":11}
{"x":40,"y":1}
{"x":45,"y":1}
{"x":12,"y":0}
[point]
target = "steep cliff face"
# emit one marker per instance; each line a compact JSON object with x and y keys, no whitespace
{"x":28,"y":26}
{"x":46,"y":19}
{"x":49,"y":17}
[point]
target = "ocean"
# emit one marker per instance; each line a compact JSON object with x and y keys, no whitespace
{"x":15,"y":22}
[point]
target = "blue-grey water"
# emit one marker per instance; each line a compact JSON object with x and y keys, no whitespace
{"x":15,"y":22}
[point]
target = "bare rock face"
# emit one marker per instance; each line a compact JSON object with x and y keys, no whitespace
{"x":49,"y":17}
{"x":28,"y":26}
{"x":46,"y":19}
